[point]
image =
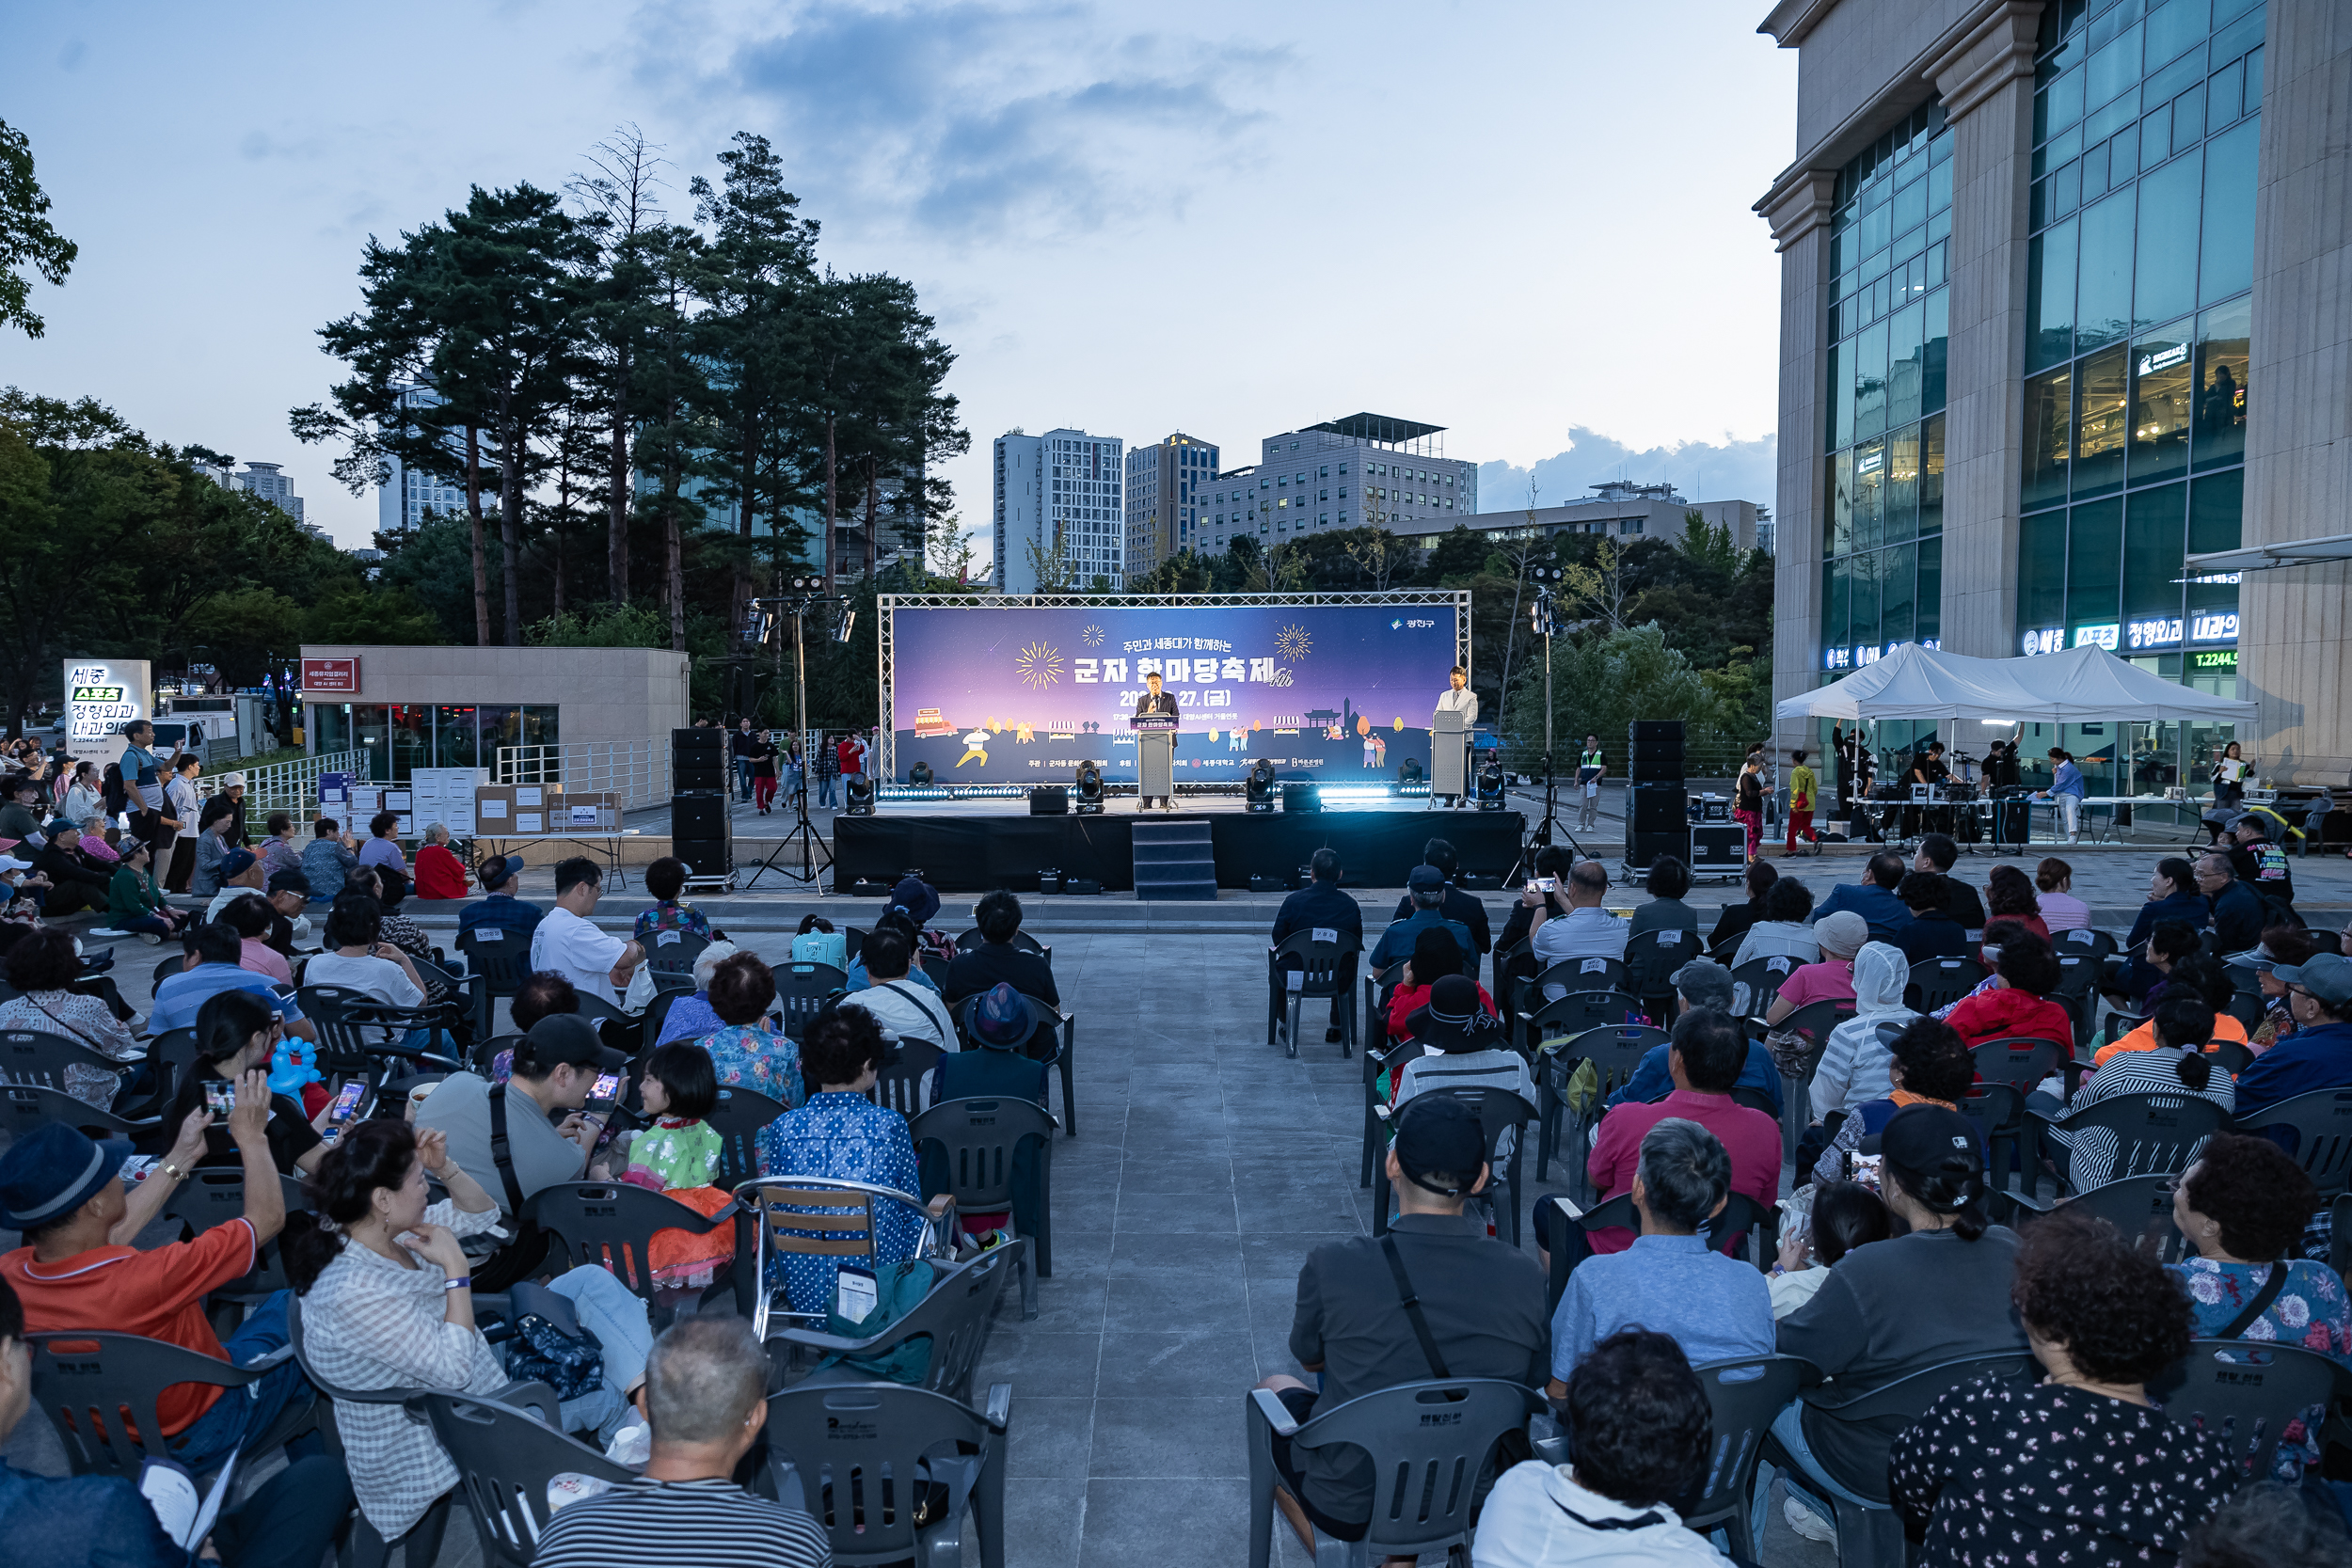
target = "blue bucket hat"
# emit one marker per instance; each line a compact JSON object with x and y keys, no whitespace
{"x":915,"y":896}
{"x":1001,"y":1022}
{"x":52,"y":1171}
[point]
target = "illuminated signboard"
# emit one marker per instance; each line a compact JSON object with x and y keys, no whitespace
{"x":103,"y":695}
{"x":2045,"y":640}
{"x":2164,"y":358}
{"x":1836,"y":658}
{"x":2105,"y":637}
{"x":2217,"y":626}
{"x":2219,"y":664}
{"x":2158,"y":633}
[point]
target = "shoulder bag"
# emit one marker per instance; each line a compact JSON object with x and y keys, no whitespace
{"x":526,"y":1255}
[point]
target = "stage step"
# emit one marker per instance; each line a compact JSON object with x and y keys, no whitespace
{"x":1174,"y":860}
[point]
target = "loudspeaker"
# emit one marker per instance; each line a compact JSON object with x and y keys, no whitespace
{"x":1049,"y":801}
{"x":1654,"y":750}
{"x":698,"y":761}
{"x":1655,"y":729}
{"x":1657,"y":808}
{"x":1720,"y":848}
{"x":1641,"y":848}
{"x":1301,"y":797}
{"x":699,"y":833}
{"x":697,"y":740}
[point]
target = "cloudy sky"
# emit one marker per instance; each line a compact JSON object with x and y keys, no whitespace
{"x":1528,"y":222}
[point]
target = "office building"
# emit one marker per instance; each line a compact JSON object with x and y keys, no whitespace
{"x":2035,"y":260}
{"x":268,"y":481}
{"x":1342,"y":474}
{"x":1059,"y":518}
{"x":1167,"y":482}
{"x":409,"y":493}
{"x":1623,"y":511}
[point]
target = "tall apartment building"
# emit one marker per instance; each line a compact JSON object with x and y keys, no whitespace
{"x":1342,"y":474}
{"x":1167,"y":482}
{"x":2036,"y":261}
{"x":1059,"y":508}
{"x":268,"y":481}
{"x":409,"y":493}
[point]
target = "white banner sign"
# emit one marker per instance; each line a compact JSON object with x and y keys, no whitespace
{"x":100,"y":696}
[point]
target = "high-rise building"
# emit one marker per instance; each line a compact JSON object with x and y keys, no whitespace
{"x":1167,"y":482}
{"x":266,"y":481}
{"x":2033,"y":259}
{"x":409,"y":493}
{"x":1061,"y":521}
{"x":1342,"y":474}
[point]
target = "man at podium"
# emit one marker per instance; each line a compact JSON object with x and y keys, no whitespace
{"x":1156,"y":703}
{"x":1448,"y":732}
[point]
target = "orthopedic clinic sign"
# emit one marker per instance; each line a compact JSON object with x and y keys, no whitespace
{"x":102,"y":695}
{"x":330,"y":676}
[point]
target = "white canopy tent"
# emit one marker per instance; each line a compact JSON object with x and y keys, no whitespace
{"x":2085,"y":685}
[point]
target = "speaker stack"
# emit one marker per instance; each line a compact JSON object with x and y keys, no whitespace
{"x":1657,"y":820}
{"x":700,"y":825}
{"x":1049,"y":801}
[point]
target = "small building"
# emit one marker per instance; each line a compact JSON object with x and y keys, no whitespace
{"x":1623,"y":511}
{"x":442,"y":706}
{"x":1302,"y":484}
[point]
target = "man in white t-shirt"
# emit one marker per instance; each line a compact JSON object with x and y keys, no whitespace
{"x":566,"y":942}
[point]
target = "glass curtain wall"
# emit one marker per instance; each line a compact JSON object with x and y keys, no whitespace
{"x":401,"y":738}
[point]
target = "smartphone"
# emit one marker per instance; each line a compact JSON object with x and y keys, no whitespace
{"x":1866,"y":1169}
{"x":220,"y":1095}
{"x":1547,"y":884}
{"x":347,"y":1106}
{"x":608,"y":1087}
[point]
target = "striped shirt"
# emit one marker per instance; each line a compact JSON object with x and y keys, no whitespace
{"x":712,"y":1523}
{"x":2155,"y":1071}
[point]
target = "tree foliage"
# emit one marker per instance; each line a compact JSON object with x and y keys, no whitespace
{"x":26,"y":237}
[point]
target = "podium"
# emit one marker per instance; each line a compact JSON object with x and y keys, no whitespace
{"x":1156,"y":757}
{"x":1449,"y":744}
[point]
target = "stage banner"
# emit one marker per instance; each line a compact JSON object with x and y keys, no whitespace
{"x":1023,"y":694}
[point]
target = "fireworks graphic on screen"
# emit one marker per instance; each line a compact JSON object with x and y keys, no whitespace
{"x":1293,"y":644}
{"x":1091,"y":636}
{"x":1039,"y":665}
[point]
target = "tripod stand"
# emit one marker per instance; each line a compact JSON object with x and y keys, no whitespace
{"x":813,"y":850}
{"x":1544,"y":624}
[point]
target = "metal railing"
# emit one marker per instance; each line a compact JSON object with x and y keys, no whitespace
{"x":636,"y":774}
{"x":287,"y":786}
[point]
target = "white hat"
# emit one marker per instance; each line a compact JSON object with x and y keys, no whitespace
{"x":233,"y":781}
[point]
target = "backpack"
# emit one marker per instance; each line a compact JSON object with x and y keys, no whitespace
{"x":822,"y":947}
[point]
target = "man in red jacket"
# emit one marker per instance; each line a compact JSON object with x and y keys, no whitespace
{"x":1706,"y":1059}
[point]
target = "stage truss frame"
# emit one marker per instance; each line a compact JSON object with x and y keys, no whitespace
{"x":886,"y":606}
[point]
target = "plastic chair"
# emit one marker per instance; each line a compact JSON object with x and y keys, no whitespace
{"x":1616,"y":1050}
{"x":2245,"y":1392}
{"x":173,"y":1054}
{"x":502,"y":960}
{"x":1651,"y":960}
{"x":1875,"y":1535}
{"x":505,"y":1456}
{"x":1814,"y":1021}
{"x":2322,"y":1121}
{"x":2139,"y":1206}
{"x":26,"y":1106}
{"x":971,"y":939}
{"x":953,"y":1315}
{"x":1429,"y":1440}
{"x":422,"y":1541}
{"x":214,"y":1195}
{"x":482,"y":1059}
{"x":1939,"y":982}
{"x":1391,"y":1057}
{"x":176,"y":964}
{"x":1575,"y":975}
{"x":979,"y":1140}
{"x":899,"y":1085}
{"x":1756,"y":983}
{"x":737,"y":1120}
{"x":1744,"y":1396}
{"x":2153,"y":1133}
{"x":889,"y":1471}
{"x":1326,"y":970}
{"x":2017,"y":1065}
{"x":802,"y":992}
{"x":1498,"y":1110}
{"x":811,"y":1214}
{"x":2086,"y":941}
{"x":99,"y":1391}
{"x":674,"y":952}
{"x":617,"y":1029}
{"x":38,"y":1056}
{"x":611,"y":1225}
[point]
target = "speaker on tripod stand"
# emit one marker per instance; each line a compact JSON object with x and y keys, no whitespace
{"x":1656,"y":812}
{"x":700,"y":823}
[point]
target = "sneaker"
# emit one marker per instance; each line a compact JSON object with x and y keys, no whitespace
{"x":1806,"y":1523}
{"x":151,"y":938}
{"x":1332,"y":1036}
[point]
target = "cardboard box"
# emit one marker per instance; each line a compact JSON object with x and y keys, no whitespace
{"x":532,"y":797}
{"x":531,"y":821}
{"x":494,"y":810}
{"x":590,"y":811}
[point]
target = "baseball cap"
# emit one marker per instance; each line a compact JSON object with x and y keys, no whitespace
{"x":1924,"y":1141}
{"x":19,"y":783}
{"x":237,"y":863}
{"x":1424,"y":878}
{"x":52,"y":1171}
{"x":1001,"y":1020}
{"x":2328,"y":977}
{"x":1705,"y":983}
{"x":498,"y":869}
{"x":292,"y":880}
{"x":1438,"y":1132}
{"x":561,"y":1037}
{"x":233,"y":781}
{"x":1841,"y":933}
{"x":61,"y":825}
{"x":915,"y":896}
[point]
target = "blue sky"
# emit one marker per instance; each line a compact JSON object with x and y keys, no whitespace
{"x":1527,"y":222}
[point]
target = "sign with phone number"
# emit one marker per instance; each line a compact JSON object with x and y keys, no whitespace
{"x":101,"y":696}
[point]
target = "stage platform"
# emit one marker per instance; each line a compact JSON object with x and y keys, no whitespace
{"x":973,"y":846}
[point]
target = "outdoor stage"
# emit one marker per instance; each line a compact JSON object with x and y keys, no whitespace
{"x":970,"y":846}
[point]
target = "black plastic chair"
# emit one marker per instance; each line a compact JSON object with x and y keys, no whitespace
{"x":482,"y":1059}
{"x":802,"y":991}
{"x":176,"y":964}
{"x":611,"y":1225}
{"x":953,"y":1316}
{"x":1498,"y":1110}
{"x":1756,"y":983}
{"x":505,"y":1457}
{"x":2139,"y":1206}
{"x":657,"y":1015}
{"x":38,"y":1056}
{"x":1650,"y":961}
{"x":2084,"y":941}
{"x":2016,"y":1066}
{"x":502,"y":960}
{"x":621,"y":1031}
{"x":214,"y":1195}
{"x":898,"y":1086}
{"x":1322,"y":971}
{"x":979,"y":1140}
{"x":2322,"y":1123}
{"x":422,"y":1542}
{"x":1431,"y":1441}
{"x":1575,"y":975}
{"x":674,"y":952}
{"x":173,"y":1055}
{"x":1744,"y":1396}
{"x":1020,"y":940}
{"x":889,"y":1472}
{"x":2153,"y":1133}
{"x":1937,"y":983}
{"x":86,"y":1381}
{"x":1391,"y":1056}
{"x":2245,"y":1392}
{"x":737,"y":1120}
{"x":1616,"y":1050}
{"x":26,"y":1106}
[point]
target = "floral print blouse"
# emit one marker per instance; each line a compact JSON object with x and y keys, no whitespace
{"x":677,"y":915}
{"x":2312,"y":1310}
{"x":848,"y":1138}
{"x":747,"y":1057}
{"x":2011,"y":1473}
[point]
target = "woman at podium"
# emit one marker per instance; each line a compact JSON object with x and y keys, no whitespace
{"x":1156,"y":703}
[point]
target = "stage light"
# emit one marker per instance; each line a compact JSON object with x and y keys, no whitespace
{"x":1090,"y":790}
{"x":841,"y":631}
{"x":1491,"y":784}
{"x":1258,"y":786}
{"x":859,"y":790}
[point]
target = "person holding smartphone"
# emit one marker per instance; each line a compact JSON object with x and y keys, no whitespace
{"x":238,"y":1032}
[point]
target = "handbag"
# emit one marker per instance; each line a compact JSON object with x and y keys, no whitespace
{"x":900,"y":1289}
